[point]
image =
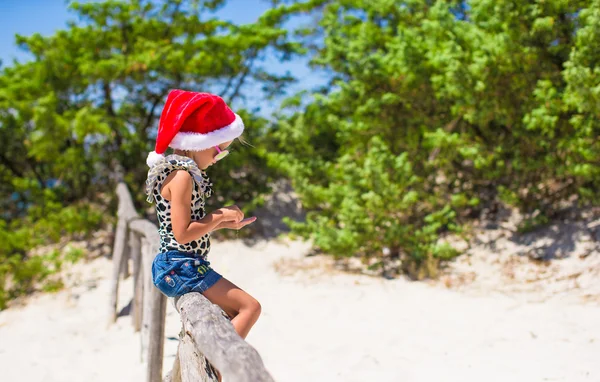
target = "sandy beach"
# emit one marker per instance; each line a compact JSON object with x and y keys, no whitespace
{"x":318,"y":324}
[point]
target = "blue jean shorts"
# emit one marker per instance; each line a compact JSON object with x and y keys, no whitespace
{"x":176,"y":273}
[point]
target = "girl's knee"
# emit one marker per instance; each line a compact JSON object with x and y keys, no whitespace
{"x":257,"y":308}
{"x":254,"y":307}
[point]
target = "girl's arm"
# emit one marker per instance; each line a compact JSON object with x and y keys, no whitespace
{"x":185,"y":230}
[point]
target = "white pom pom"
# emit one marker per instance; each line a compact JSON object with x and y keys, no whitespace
{"x":153,"y":158}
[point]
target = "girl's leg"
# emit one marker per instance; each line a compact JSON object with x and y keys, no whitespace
{"x":236,"y":303}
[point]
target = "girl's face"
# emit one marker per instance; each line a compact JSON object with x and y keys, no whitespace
{"x":206,"y":158}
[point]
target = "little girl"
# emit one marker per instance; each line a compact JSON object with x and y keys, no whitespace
{"x":200,"y":127}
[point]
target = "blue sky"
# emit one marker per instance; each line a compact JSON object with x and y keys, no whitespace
{"x":27,"y":17}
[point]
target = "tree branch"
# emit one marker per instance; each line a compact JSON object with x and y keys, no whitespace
{"x":10,"y":165}
{"x":150,"y":115}
{"x":250,"y":60}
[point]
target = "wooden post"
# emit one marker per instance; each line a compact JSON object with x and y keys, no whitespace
{"x":175,"y":374}
{"x":156,"y":340}
{"x":214,"y":336}
{"x":125,"y":271}
{"x":155,"y":303}
{"x":147,"y":288}
{"x":193,"y":366}
{"x":135,"y":250}
{"x":118,"y":254}
{"x":125,"y":213}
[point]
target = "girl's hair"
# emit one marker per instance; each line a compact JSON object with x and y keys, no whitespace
{"x":243,"y":141}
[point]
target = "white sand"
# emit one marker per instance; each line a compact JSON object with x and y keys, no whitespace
{"x":317,"y":325}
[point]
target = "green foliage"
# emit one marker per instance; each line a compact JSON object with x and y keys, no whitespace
{"x":532,"y":223}
{"x":21,"y":273}
{"x":86,"y":107}
{"x":91,"y":97}
{"x":437,"y":109}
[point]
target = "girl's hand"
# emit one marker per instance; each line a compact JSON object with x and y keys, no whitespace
{"x":232,"y":214}
{"x":237,"y":225}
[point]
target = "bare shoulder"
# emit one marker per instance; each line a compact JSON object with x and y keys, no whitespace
{"x":178,"y":182}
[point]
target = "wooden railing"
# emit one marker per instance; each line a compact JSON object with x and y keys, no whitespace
{"x":207,"y":337}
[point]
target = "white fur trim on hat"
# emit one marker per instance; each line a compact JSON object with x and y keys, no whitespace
{"x":198,"y":141}
{"x":153,"y":158}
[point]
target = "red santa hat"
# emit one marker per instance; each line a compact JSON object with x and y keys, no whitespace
{"x":194,"y":121}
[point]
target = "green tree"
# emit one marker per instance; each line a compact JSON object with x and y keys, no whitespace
{"x":87,"y":104}
{"x":437,"y":109}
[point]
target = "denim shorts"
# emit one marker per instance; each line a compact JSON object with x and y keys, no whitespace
{"x":176,"y":273}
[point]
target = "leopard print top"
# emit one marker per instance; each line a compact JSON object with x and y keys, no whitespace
{"x":201,"y":190}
